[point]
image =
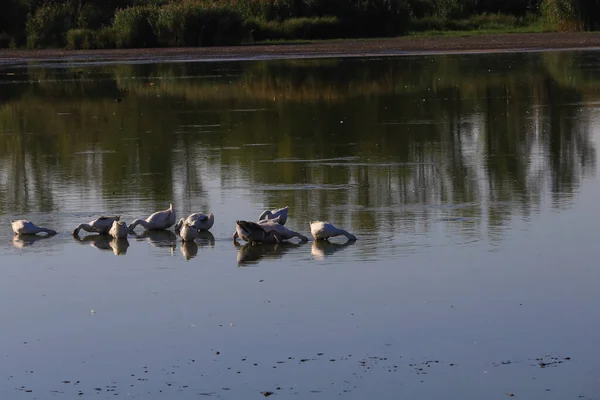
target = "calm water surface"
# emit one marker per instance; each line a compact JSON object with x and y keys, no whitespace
{"x":470,"y":180}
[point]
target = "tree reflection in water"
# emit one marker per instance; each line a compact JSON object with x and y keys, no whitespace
{"x":382,"y":146}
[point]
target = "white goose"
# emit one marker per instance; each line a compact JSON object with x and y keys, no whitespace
{"x":280,"y":215}
{"x":253,"y":232}
{"x":200,"y":221}
{"x":119,"y":230}
{"x":188,"y":232}
{"x":322,"y":230}
{"x":285,"y":233}
{"x":25,"y":227}
{"x":158,"y":221}
{"x":100,"y":225}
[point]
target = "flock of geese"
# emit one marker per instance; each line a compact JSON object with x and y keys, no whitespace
{"x":269,"y":229}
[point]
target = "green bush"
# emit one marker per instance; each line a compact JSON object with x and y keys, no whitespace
{"x":295,"y":28}
{"x":106,"y":38}
{"x":561,"y":14}
{"x":356,"y":17}
{"x":312,"y":28}
{"x":133,"y":27}
{"x":476,"y":22}
{"x":197,"y":24}
{"x":81,"y":39}
{"x":48,"y":26}
{"x":270,"y":10}
{"x":103,"y":38}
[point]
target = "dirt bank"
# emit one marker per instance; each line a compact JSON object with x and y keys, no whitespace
{"x":351,"y":48}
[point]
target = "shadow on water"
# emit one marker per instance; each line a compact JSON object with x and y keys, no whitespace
{"x":250,"y":253}
{"x":324,"y":248}
{"x":159,"y":238}
{"x":362,"y":144}
{"x":23,"y":241}
{"x":190,"y":249}
{"x":104,"y":242}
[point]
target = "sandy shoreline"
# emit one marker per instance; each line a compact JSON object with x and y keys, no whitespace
{"x":338,"y":48}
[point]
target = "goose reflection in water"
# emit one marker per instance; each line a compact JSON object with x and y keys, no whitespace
{"x":251,"y":253}
{"x":189,"y":249}
{"x":105,"y":242}
{"x":21,"y":241}
{"x":324,"y":248}
{"x":159,"y":238}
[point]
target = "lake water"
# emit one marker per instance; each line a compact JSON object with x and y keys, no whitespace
{"x":470,"y":181}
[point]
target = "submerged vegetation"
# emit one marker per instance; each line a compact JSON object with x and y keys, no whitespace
{"x":88,"y":24}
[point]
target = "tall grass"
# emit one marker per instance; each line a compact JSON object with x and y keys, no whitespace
{"x":197,"y":24}
{"x":133,"y":26}
{"x":103,"y":38}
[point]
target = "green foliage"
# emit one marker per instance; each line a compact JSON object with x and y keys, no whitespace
{"x":571,"y":15}
{"x":148,"y":23}
{"x":295,"y":28}
{"x":48,"y":26}
{"x":268,"y":10}
{"x":197,"y":24}
{"x":356,"y":17}
{"x":518,"y":8}
{"x":106,"y":38}
{"x":85,"y":39}
{"x":312,"y":28}
{"x":81,"y":39}
{"x":476,"y":22}
{"x":91,"y":17}
{"x":562,"y":14}
{"x":445,"y":9}
{"x":133,"y":26}
{"x":178,"y":24}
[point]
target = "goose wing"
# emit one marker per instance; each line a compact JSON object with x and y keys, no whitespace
{"x":104,"y":222}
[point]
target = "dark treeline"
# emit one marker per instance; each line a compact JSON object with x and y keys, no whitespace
{"x":150,"y":23}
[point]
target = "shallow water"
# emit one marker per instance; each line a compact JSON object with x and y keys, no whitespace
{"x":470,"y":181}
